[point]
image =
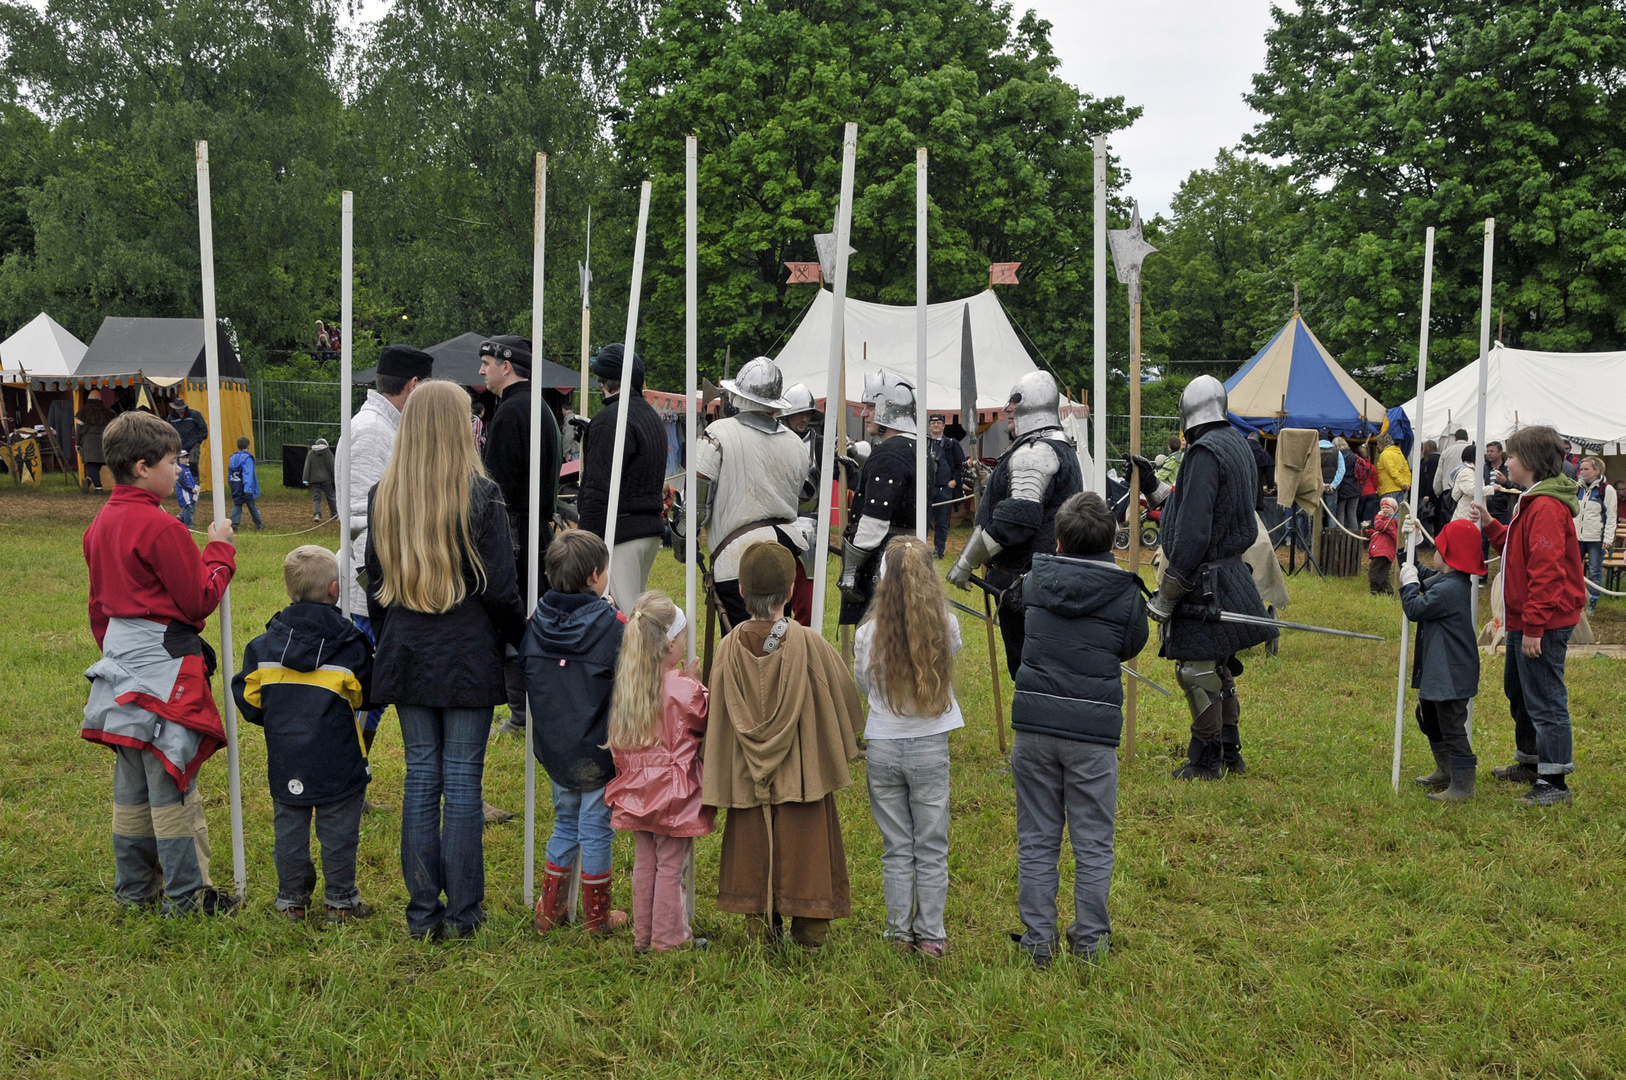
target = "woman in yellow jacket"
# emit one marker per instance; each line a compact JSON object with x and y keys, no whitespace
{"x":1394,"y":475}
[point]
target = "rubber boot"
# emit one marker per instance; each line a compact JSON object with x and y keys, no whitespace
{"x":597,"y":918}
{"x":1204,"y":761}
{"x":1462,"y":780}
{"x":551,"y":906}
{"x":1440,"y":778}
{"x":1231,"y":750}
{"x":810,"y":934}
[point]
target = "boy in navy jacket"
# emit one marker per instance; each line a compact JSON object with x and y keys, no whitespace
{"x":244,"y":483}
{"x":303,"y":680}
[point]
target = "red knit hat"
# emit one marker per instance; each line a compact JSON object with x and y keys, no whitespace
{"x":1462,"y":547}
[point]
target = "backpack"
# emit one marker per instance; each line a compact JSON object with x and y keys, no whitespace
{"x":234,"y":476}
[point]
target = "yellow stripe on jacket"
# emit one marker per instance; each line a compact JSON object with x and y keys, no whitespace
{"x":338,"y":680}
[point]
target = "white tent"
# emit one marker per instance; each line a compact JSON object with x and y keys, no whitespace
{"x":883,"y":336}
{"x":1580,"y":394}
{"x":43,"y":349}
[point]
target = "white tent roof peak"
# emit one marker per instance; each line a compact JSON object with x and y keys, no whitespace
{"x":43,"y":348}
{"x":882,"y":336}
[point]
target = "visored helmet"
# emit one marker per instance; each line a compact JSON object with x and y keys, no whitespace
{"x":1036,"y":401}
{"x":876,"y":385}
{"x":1203,"y":402}
{"x":896,"y":410}
{"x":756,"y":387}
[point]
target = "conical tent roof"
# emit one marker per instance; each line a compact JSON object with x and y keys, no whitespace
{"x":43,"y":349}
{"x":1293,"y":382}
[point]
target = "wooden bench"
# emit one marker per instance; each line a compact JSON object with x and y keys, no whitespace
{"x":1614,"y":560}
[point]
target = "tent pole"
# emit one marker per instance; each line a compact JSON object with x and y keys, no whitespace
{"x":627,"y":383}
{"x":217,"y":476}
{"x":922,"y":489}
{"x":533,"y":553}
{"x":1098,"y":415}
{"x":1416,"y":456}
{"x":1479,"y":425}
{"x":834,"y":393}
{"x":691,"y":372}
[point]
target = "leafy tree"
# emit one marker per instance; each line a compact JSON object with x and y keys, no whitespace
{"x":767,"y":85}
{"x":1445,"y":112}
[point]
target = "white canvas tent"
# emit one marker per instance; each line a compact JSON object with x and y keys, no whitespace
{"x":1580,"y":394}
{"x":883,"y":336}
{"x":43,"y":349}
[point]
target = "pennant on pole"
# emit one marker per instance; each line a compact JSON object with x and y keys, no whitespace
{"x":804,"y":273}
{"x":1003,"y":273}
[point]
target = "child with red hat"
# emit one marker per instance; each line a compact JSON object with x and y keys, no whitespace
{"x":1445,"y":670}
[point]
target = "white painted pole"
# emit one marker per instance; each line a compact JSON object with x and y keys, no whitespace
{"x":1098,"y":402}
{"x":1479,"y":428}
{"x":347,"y":231}
{"x":1416,"y":475}
{"x":627,"y":391}
{"x":217,"y":479}
{"x":691,"y":372}
{"x":835,"y":395}
{"x":922,"y":488}
{"x":533,"y":552}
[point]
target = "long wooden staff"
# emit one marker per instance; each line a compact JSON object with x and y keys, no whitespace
{"x":1416,"y":475}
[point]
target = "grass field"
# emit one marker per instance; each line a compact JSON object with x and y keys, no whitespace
{"x":1299,"y":921}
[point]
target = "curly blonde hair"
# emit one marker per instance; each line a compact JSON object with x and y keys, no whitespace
{"x":913,"y":653}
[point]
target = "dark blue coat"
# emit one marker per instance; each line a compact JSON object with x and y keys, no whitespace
{"x":569,"y":655}
{"x":1085,"y":616}
{"x":1446,"y":666}
{"x":303,"y":680}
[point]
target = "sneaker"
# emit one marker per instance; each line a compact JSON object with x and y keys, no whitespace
{"x":316,"y":517}
{"x":902,"y":947}
{"x":1544,"y":794}
{"x":1518,"y":773}
{"x":933,"y":949}
{"x":495,"y":816}
{"x":211,"y":901}
{"x":370,"y":807}
{"x":339,"y":915}
{"x":294,"y":915}
{"x":509,"y":727}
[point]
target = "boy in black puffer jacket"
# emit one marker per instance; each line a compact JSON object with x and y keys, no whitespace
{"x":303,"y":680}
{"x":1085,"y":616}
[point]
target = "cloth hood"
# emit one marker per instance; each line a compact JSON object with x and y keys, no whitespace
{"x":306,"y":636}
{"x":1072,"y":585}
{"x":1561,"y":488}
{"x":569,"y":622}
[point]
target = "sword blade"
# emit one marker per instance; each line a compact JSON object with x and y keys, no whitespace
{"x":1256,"y":620}
{"x":1127,"y":670}
{"x":971,"y":611}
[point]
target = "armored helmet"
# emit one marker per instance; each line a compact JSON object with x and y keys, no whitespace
{"x":896,"y":410}
{"x":799,"y":400}
{"x":1202,"y":402}
{"x":756,"y":387}
{"x":876,"y":385}
{"x":1037,"y":402}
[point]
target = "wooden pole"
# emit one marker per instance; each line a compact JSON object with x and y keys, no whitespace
{"x":217,"y":476}
{"x":1479,"y":426}
{"x":834,"y":393}
{"x":618,"y":462}
{"x":1132,"y":689}
{"x":691,"y":373}
{"x":843,"y":634}
{"x":587,"y":313}
{"x":347,"y":220}
{"x":533,"y":555}
{"x":1416,"y":474}
{"x":993,"y":669}
{"x":1098,"y":416}
{"x":922,"y":488}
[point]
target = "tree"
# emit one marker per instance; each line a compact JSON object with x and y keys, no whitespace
{"x":1445,"y":112}
{"x":767,"y":85}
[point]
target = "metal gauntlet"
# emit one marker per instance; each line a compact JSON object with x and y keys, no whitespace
{"x":978,"y":550}
{"x":853,"y":559}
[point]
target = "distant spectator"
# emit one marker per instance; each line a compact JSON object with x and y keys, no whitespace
{"x":1595,"y":521}
{"x":319,"y":478}
{"x":1500,"y":491}
{"x":1572,"y":461}
{"x":322,"y":349}
{"x":93,"y":417}
{"x":245,"y":485}
{"x":1394,"y":475}
{"x":1349,"y":488}
{"x":639,"y":521}
{"x":189,"y":424}
{"x":186,"y":490}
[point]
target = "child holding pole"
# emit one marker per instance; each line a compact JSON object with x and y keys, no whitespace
{"x":1445,"y":671}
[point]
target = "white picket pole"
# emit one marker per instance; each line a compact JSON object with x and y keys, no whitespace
{"x":835,"y":394}
{"x":1416,"y":474}
{"x":533,"y":554}
{"x":1098,"y":402}
{"x":217,"y":479}
{"x":347,"y":225}
{"x":691,"y":373}
{"x":1479,"y":427}
{"x":627,"y":343}
{"x":922,"y":489}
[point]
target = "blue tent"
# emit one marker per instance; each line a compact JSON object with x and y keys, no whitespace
{"x":1293,"y":382}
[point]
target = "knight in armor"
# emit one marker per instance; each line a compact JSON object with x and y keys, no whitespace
{"x":1208,"y":523}
{"x":802,"y":416}
{"x":1037,"y":473}
{"x":751,"y":471}
{"x":883,"y":503}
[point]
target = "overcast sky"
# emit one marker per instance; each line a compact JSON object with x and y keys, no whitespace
{"x":1186,"y":62}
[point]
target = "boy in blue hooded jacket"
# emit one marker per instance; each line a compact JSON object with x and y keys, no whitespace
{"x":303,"y":680}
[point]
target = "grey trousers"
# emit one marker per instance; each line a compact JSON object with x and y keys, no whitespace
{"x":160,"y":837}
{"x":338,"y":830}
{"x":1064,"y":781}
{"x":909,"y":797}
{"x":629,"y":570}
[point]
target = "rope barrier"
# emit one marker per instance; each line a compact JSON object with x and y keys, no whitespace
{"x":301,"y":532}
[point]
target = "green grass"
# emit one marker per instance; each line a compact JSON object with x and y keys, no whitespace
{"x":1300,"y":921}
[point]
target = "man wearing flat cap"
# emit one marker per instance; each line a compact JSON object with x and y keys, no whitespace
{"x":946,"y":462}
{"x":372,"y":441}
{"x":639,"y":524}
{"x":783,"y":727}
{"x":505,"y":364}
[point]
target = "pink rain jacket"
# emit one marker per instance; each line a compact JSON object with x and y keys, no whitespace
{"x":657,"y":789}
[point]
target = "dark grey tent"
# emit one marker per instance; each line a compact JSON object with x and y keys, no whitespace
{"x":156,"y":348}
{"x":458,"y":359}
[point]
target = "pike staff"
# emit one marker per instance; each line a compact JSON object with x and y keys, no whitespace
{"x":533,"y":550}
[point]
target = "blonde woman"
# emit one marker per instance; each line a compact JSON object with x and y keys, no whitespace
{"x":903,"y":659}
{"x":444,"y":601}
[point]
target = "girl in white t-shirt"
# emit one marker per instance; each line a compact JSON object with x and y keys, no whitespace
{"x":904,"y":662}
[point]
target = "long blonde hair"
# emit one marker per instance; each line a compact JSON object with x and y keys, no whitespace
{"x":640,"y":674}
{"x":912,"y":658}
{"x":421,"y":514}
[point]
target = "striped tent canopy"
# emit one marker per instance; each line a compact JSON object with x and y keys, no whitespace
{"x":1293,"y":382}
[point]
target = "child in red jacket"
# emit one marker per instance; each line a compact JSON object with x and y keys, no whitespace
{"x":1382,"y":549}
{"x":150,"y":702}
{"x":1544,"y":592}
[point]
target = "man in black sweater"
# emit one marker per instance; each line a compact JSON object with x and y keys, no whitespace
{"x":639,"y":519}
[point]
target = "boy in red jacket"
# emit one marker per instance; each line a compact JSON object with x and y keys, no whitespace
{"x":150,"y":702}
{"x":1544,"y":592}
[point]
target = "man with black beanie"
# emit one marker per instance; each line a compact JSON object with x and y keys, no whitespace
{"x":639,"y":521}
{"x":505,"y":364}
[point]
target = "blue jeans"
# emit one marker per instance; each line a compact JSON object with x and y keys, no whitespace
{"x":581,"y":822}
{"x":441,"y":849}
{"x":237,"y":504}
{"x":909,"y":798}
{"x":365,"y":625}
{"x":939,"y":517}
{"x":1540,"y":703}
{"x":1592,"y":559}
{"x":187,"y":513}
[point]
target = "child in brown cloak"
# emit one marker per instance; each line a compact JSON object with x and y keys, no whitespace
{"x":784,"y":712}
